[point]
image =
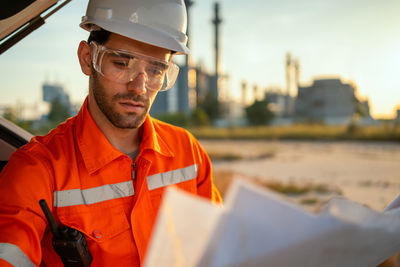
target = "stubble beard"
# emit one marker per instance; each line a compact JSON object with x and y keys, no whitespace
{"x":129,"y":120}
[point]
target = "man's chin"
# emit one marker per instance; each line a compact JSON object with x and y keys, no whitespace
{"x":132,"y":121}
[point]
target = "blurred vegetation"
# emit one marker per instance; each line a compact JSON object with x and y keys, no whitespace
{"x":177,"y":119}
{"x":197,"y":118}
{"x":309,"y":201}
{"x":13,"y":116}
{"x":259,"y":113}
{"x":211,"y":107}
{"x":293,"y":189}
{"x":224,"y":156}
{"x":57,"y":114}
{"x":385,"y":132}
{"x":199,"y":123}
{"x":223,"y":179}
{"x":207,"y":112}
{"x":216,"y":155}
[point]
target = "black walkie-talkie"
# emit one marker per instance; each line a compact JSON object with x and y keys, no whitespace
{"x":69,"y":243}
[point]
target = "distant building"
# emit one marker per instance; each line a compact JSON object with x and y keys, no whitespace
{"x":168,"y":101}
{"x":281,"y":104}
{"x":202,"y":81}
{"x":365,"y":107}
{"x":277,"y":101}
{"x":55,"y":91}
{"x":180,"y":99}
{"x":327,"y":100}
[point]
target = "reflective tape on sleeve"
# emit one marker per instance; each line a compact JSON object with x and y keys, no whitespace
{"x":172,"y":177}
{"x":93,"y":195}
{"x":14,"y":255}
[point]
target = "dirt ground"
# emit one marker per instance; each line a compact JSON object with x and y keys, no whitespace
{"x":365,"y":172}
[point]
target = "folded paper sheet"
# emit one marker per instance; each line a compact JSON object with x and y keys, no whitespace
{"x":256,"y":227}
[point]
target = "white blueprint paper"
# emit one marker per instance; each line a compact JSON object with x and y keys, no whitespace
{"x":256,"y":227}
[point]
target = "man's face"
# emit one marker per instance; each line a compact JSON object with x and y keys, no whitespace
{"x":125,"y":105}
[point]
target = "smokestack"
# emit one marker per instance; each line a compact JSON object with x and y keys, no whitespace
{"x":217,"y":21}
{"x":288,"y":72}
{"x":297,"y":74}
{"x":255,"y":92}
{"x":244,"y":93}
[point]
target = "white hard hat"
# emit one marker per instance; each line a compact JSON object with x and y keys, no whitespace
{"x":160,"y":23}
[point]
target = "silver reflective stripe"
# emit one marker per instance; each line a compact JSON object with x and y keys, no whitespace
{"x":93,"y":195}
{"x":172,"y":177}
{"x":14,"y":255}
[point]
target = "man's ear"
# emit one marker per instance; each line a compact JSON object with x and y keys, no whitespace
{"x":84,"y":56}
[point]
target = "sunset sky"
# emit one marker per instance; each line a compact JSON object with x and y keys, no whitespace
{"x":356,"y":40}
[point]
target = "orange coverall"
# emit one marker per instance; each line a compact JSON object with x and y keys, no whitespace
{"x":92,"y":187}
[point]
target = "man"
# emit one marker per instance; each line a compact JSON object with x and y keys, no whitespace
{"x":103,"y":172}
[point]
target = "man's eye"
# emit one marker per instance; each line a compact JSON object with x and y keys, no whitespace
{"x":120,"y":63}
{"x":155,"y":71}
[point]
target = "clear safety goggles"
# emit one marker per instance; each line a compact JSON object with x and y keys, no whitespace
{"x":122,"y":67}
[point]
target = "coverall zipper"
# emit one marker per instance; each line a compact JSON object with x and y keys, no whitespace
{"x":133,"y":171}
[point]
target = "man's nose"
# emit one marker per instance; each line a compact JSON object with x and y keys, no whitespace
{"x":138,"y":84}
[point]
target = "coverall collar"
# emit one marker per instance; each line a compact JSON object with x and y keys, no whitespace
{"x":97,"y":151}
{"x":151,"y":140}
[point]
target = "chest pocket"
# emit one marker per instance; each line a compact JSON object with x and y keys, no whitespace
{"x":107,"y":231}
{"x":99,"y":222}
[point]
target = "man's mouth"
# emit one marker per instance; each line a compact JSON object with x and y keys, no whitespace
{"x":132,"y":106}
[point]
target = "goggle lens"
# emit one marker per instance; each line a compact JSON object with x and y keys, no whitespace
{"x":122,"y":67}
